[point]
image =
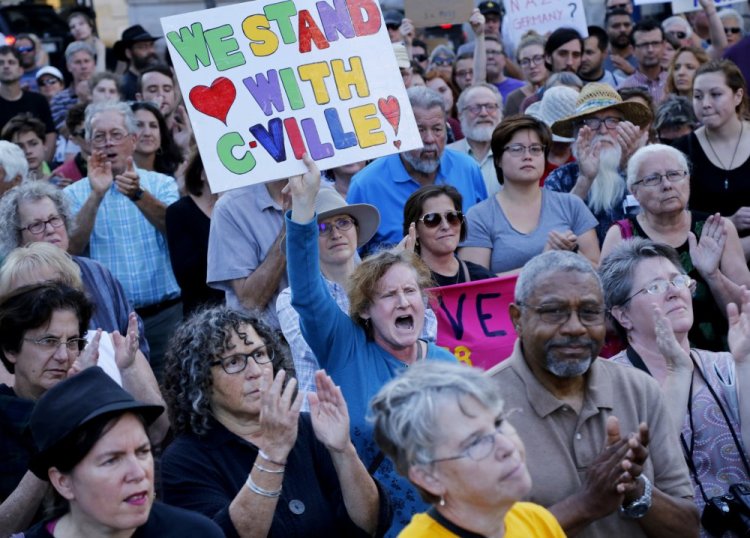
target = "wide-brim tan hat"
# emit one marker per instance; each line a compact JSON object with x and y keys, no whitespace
{"x":595,"y":97}
{"x":330,"y":203}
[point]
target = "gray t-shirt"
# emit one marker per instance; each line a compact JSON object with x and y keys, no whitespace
{"x":244,"y":226}
{"x":511,"y":249}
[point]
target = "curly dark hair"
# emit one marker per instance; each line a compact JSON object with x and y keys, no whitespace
{"x":197,"y":342}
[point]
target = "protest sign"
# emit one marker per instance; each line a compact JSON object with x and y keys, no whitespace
{"x":542,"y":16}
{"x":266,"y":81}
{"x":473,"y":320}
{"x":424,"y":13}
{"x":646,"y":2}
{"x":684,"y":6}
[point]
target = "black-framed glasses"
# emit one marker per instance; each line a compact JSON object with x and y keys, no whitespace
{"x":463,"y":73}
{"x":37,"y":227}
{"x":654,"y":180}
{"x":557,"y":314}
{"x":734,"y":30}
{"x":660,"y":286}
{"x":477,"y":109}
{"x":237,"y":362}
{"x":433,"y":220}
{"x":420,"y":57}
{"x":518,"y":150}
{"x":342,"y":224}
{"x":52,"y":343}
{"x":80,"y":133}
{"x":534,"y":60}
{"x":678,"y":35}
{"x":480,"y":448}
{"x":595,"y":124}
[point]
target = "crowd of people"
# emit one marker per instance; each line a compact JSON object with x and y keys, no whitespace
{"x":264,"y":361}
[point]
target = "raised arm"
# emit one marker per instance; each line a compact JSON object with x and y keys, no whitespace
{"x":129,"y":184}
{"x":480,"y":49}
{"x":330,"y":420}
{"x":19,"y":508}
{"x":739,"y":345}
{"x":100,"y":178}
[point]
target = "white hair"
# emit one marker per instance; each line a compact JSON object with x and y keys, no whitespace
{"x":13,"y":161}
{"x":677,"y":20}
{"x":636,"y":161}
{"x":729,"y":13}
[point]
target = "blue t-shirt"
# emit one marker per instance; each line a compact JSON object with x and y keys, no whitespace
{"x":386,"y":184}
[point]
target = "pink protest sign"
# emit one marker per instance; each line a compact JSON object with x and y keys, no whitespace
{"x":473,"y":320}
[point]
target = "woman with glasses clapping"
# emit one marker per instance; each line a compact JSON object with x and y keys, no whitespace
{"x":649,"y":297}
{"x":435,"y":223}
{"x":244,"y":455}
{"x":522,"y":219}
{"x":659,"y":178}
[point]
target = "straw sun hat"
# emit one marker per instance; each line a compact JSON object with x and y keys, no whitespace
{"x":596,"y":97}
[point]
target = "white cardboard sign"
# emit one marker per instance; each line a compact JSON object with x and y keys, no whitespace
{"x":684,"y":6}
{"x":543,"y":16}
{"x":266,"y":81}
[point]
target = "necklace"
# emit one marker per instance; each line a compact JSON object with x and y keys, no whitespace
{"x":736,"y":147}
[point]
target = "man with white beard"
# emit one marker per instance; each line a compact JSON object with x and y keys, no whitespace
{"x":480,"y":110}
{"x":388,"y":182}
{"x":608,"y":131}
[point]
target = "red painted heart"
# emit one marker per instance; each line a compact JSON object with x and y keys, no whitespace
{"x":216,"y":100}
{"x":391,"y":110}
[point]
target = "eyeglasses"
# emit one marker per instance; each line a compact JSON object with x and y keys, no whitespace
{"x":648,"y":44}
{"x":596,"y":123}
{"x":658,"y":287}
{"x":654,"y":180}
{"x":28,"y":48}
{"x":52,"y":344}
{"x":420,"y":57}
{"x":732,"y":30}
{"x":464,"y":73}
{"x":234,"y":364}
{"x":518,"y":150}
{"x":39,"y":226}
{"x":535,"y":60}
{"x":100,"y":139}
{"x":476,"y":109}
{"x":433,"y":220}
{"x":48,"y":81}
{"x":557,"y":314}
{"x":80,"y":133}
{"x":678,"y":35}
{"x":479,"y":448}
{"x":343,"y":224}
{"x":442,"y":61}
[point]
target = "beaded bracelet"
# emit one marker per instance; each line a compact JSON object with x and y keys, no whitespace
{"x":252,"y":486}
{"x":266,"y":470}
{"x":265,"y":457}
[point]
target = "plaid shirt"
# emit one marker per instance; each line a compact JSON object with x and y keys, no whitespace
{"x":125,"y":242}
{"x":60,"y":105}
{"x":16,"y":445}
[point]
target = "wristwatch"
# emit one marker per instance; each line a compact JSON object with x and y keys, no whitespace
{"x":137,"y":195}
{"x":638,"y":508}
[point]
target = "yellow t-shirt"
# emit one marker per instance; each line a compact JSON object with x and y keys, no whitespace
{"x":524,"y":520}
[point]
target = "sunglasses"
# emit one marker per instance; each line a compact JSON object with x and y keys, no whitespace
{"x":442,"y":61}
{"x":24,"y":49}
{"x":433,"y":220}
{"x":48,"y":82}
{"x":420,"y":57}
{"x":679,"y":35}
{"x":732,"y":30}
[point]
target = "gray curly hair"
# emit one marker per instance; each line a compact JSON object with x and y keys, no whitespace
{"x":29,"y":191}
{"x":204,"y":337}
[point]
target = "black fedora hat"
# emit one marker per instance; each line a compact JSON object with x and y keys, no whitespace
{"x":70,"y":405}
{"x":131,"y":35}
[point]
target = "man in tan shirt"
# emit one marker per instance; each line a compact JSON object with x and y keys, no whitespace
{"x":600,"y":449}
